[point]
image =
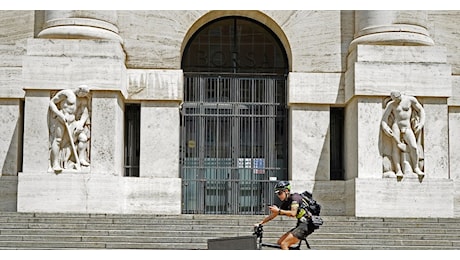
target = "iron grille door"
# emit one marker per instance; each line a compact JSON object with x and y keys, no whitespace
{"x":233,"y":142}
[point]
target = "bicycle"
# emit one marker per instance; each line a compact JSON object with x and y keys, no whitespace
{"x":259,"y":231}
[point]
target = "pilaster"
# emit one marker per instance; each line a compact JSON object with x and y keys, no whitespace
{"x":36,"y":131}
{"x":11,"y":139}
{"x":160,"y":93}
{"x":309,"y":139}
{"x":107,"y":133}
{"x":362,"y":158}
{"x":159,"y":151}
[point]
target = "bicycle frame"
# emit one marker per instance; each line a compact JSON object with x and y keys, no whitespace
{"x":259,"y":231}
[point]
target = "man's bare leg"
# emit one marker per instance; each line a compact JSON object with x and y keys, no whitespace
{"x":288,"y":241}
{"x":55,"y":149}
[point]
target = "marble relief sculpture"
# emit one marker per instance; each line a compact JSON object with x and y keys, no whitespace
{"x":401,"y":142}
{"x":69,"y":126}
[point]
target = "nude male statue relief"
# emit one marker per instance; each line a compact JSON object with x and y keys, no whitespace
{"x":69,"y":129}
{"x":403,"y":121}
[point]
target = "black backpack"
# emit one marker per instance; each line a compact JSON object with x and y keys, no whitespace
{"x":310,"y":204}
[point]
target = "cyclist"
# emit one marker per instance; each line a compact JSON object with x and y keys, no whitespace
{"x":289,"y":207}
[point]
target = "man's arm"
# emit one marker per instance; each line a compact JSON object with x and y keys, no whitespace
{"x":85,"y":113}
{"x":290,"y":213}
{"x":421,"y":113}
{"x":384,"y":123}
{"x":268,"y":218}
{"x":60,"y":96}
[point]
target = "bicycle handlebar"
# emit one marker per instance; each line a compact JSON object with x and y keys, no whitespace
{"x":258,"y":230}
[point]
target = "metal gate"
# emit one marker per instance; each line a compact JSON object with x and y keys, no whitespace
{"x":233,"y":142}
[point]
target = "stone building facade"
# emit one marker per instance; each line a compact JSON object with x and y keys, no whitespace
{"x":337,"y":71}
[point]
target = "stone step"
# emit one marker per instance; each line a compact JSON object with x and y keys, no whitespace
{"x":102,"y":231}
{"x":57,"y":223}
{"x":224,"y":232}
{"x":181,"y":236}
{"x":202,"y":219}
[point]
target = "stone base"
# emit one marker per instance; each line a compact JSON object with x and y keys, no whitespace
{"x":407,"y":198}
{"x":329,"y":194}
{"x":89,"y":193}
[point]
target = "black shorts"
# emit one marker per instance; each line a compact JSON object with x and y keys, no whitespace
{"x":302,"y":230}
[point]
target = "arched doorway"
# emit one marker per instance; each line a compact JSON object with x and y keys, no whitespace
{"x":234,"y":118}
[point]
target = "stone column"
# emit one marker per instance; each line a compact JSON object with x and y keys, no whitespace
{"x":80,"y":24}
{"x":159,"y":151}
{"x":391,"y":28}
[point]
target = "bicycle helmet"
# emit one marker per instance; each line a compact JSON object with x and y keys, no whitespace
{"x":282,"y":185}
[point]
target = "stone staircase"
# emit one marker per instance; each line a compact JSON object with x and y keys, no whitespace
{"x":109,"y":231}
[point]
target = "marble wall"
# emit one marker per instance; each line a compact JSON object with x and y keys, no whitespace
{"x":336,"y":58}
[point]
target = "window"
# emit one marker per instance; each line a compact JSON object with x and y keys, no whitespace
{"x":132,"y":139}
{"x":336,"y":145}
